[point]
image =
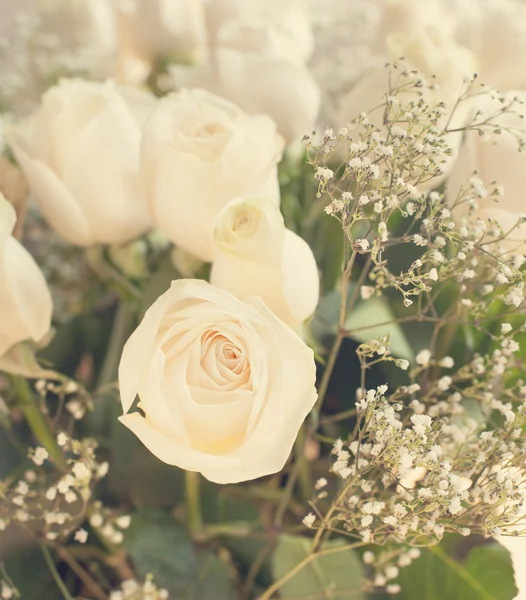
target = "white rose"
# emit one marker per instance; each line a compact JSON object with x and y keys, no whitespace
{"x":437,"y":56}
{"x":153,"y":29}
{"x":261,"y":80}
{"x":291,"y":19}
{"x":85,"y":28}
{"x":497,"y":159}
{"x":255,"y":255}
{"x":496,"y":32}
{"x":516,"y":545}
{"x":224,"y":385}
{"x":409,"y":17}
{"x":199,"y":152}
{"x":80,"y":152}
{"x":25,"y":301}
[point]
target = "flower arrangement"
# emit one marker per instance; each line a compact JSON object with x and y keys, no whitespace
{"x":262,"y":307}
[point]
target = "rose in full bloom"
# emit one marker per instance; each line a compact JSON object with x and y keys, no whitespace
{"x":200,"y":152}
{"x":150,"y":30}
{"x":80,"y":153}
{"x":495,"y":160}
{"x":223,"y":385}
{"x":255,"y":255}
{"x":25,"y":301}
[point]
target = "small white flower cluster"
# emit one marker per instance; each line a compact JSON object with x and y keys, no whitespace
{"x":60,"y":505}
{"x":107,"y":524}
{"x":133,"y":590}
{"x":388,"y":171}
{"x":386,"y":567}
{"x":414,"y":471}
{"x":76,"y":400}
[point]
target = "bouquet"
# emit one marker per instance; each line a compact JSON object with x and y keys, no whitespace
{"x":262,"y":305}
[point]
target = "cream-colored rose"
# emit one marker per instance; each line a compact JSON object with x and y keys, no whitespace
{"x":199,"y":152}
{"x":433,"y":53}
{"x":517,"y":549}
{"x":255,"y":255}
{"x":80,"y":153}
{"x":495,"y":30}
{"x":496,"y":158}
{"x":261,"y":79}
{"x":152,"y":29}
{"x":13,"y":184}
{"x":290,"y":19}
{"x":25,"y":302}
{"x":224,"y":385}
{"x":438,"y":59}
{"x":85,"y":28}
{"x":409,"y":17}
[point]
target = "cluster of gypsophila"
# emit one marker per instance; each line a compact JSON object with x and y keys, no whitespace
{"x":54,"y":499}
{"x":133,"y":590}
{"x":442,"y":454}
{"x":382,"y":185}
{"x":52,"y":504}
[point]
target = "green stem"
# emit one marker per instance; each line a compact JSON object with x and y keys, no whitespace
{"x":461,"y":572}
{"x":40,"y":427}
{"x":193,"y":503}
{"x":119,"y":334}
{"x":305,"y":479}
{"x":53,"y":569}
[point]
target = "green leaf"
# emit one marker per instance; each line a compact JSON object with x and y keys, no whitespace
{"x":213,"y":579}
{"x":336,"y":575}
{"x":31,"y":576}
{"x":369,"y":320}
{"x":160,"y":546}
{"x":485,"y":573}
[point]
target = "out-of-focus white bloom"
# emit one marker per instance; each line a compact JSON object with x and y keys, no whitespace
{"x":433,"y":53}
{"x":495,"y":30}
{"x":517,"y":549}
{"x":85,"y":27}
{"x":199,"y":152}
{"x":290,"y":19}
{"x":255,"y":255}
{"x":409,"y":17}
{"x":501,"y":162}
{"x":80,"y":153}
{"x":224,"y":385}
{"x":153,"y":29}
{"x":258,"y":54}
{"x":25,"y":301}
{"x":437,"y":56}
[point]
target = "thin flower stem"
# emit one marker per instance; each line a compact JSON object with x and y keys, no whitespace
{"x":119,"y":334}
{"x":55,"y":574}
{"x":305,"y":478}
{"x":267,"y":595}
{"x":193,"y":503}
{"x":331,"y":362}
{"x":463,"y":573}
{"x":82,"y":574}
{"x":39,"y":425}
